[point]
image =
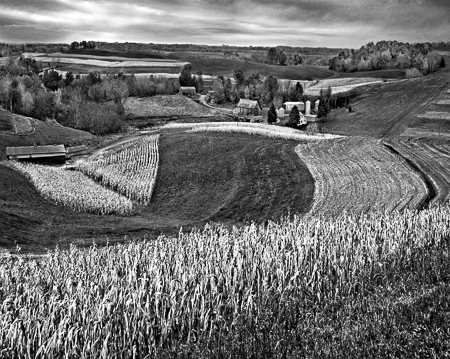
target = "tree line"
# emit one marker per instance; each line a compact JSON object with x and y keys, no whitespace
{"x":92,"y":102}
{"x":389,"y":55}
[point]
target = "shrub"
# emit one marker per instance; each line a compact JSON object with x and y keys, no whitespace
{"x":412,"y":73}
{"x":98,"y":119}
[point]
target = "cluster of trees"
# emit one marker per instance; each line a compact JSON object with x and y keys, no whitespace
{"x":83,"y":45}
{"x":276,"y":56}
{"x":93,"y":102}
{"x":187,"y":79}
{"x":388,"y":55}
{"x":253,"y":87}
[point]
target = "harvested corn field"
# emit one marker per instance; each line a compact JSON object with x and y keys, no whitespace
{"x":358,"y":175}
{"x":435,"y":115}
{"x":432,"y":157}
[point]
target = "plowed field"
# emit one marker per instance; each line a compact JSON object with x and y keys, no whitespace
{"x":432,"y":157}
{"x":389,"y":109}
{"x":358,"y":175}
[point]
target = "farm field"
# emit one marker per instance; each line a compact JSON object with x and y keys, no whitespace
{"x":358,"y":279}
{"x":89,"y":62}
{"x":202,"y":177}
{"x":389,"y":109}
{"x":381,"y":74}
{"x":359,"y":175}
{"x":129,"y":169}
{"x":341,"y":85}
{"x":252,"y":129}
{"x":73,"y":190}
{"x":432,"y":157}
{"x":226,"y":67}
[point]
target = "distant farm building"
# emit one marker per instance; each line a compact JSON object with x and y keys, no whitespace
{"x":247,"y":108}
{"x":52,"y":154}
{"x":188,"y":91}
{"x":76,"y":151}
{"x":289,"y":105}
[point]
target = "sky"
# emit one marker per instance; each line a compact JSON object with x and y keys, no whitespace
{"x":304,"y":23}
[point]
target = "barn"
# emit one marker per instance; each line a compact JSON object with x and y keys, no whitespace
{"x":188,"y":90}
{"x":49,"y":154}
{"x":247,"y":107}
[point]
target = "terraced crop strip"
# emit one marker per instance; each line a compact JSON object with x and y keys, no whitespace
{"x":73,"y":189}
{"x":215,"y":287}
{"x":131,"y":169}
{"x":358,"y":175}
{"x":271,"y":131}
{"x":433,"y":158}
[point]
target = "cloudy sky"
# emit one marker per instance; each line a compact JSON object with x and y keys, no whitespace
{"x":330,"y":23}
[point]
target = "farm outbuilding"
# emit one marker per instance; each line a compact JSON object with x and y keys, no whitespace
{"x":188,"y":91}
{"x":289,"y":105}
{"x":247,"y":107}
{"x":52,"y":154}
{"x":76,"y":151}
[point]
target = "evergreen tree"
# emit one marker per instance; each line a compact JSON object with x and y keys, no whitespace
{"x":442,"y":62}
{"x":294,"y":117}
{"x":239,"y":77}
{"x":272,"y":115}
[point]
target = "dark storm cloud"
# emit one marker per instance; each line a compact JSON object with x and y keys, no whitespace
{"x":350,"y":23}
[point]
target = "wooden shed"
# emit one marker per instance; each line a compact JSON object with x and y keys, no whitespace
{"x":52,"y":154}
{"x":247,"y":107}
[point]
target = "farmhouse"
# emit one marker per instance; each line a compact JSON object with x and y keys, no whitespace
{"x":247,"y":107}
{"x":76,"y":151}
{"x":188,"y":91}
{"x":52,"y":154}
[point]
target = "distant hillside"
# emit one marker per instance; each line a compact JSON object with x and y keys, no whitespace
{"x":388,"y":55}
{"x":142,"y":47}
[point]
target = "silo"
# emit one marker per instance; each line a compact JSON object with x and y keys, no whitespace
{"x":308,"y":107}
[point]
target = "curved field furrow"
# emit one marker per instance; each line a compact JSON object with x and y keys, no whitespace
{"x":358,"y":175}
{"x":131,"y":169}
{"x":433,"y":159}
